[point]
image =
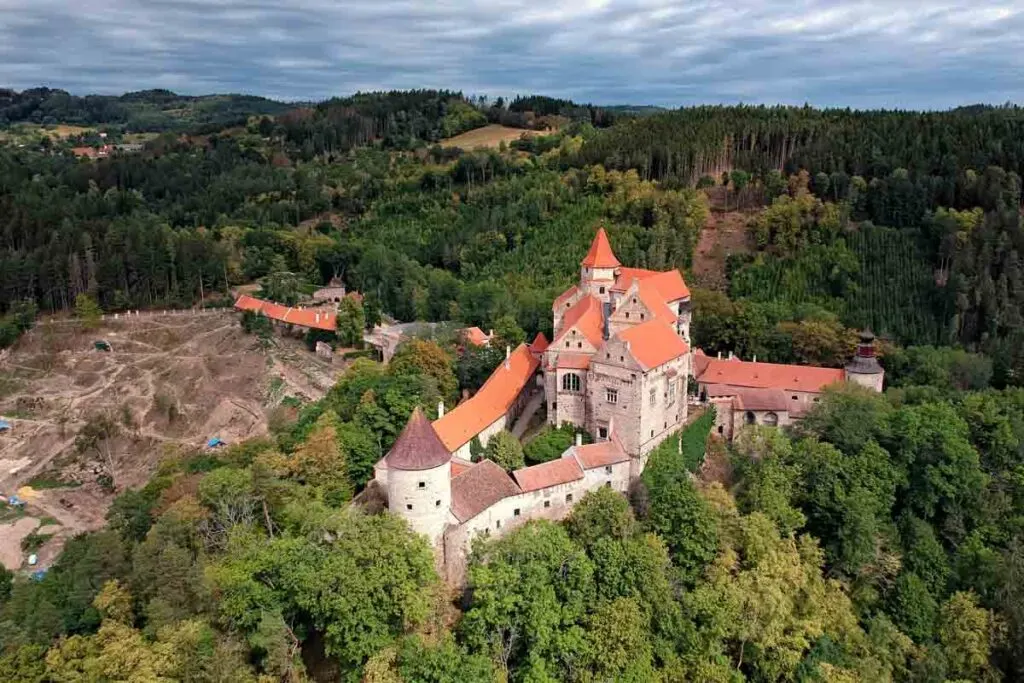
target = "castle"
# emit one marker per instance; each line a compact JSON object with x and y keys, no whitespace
{"x":618,"y":367}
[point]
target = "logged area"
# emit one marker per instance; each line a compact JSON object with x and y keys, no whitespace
{"x":488,"y":136}
{"x":87,"y":423}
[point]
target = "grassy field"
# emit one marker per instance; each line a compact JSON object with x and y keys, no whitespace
{"x":23,"y":132}
{"x":488,"y":136}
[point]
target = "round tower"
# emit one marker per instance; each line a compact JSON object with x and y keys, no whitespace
{"x":419,"y":478}
{"x":864,"y":369}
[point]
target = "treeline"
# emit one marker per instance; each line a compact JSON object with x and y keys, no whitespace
{"x":397,"y":120}
{"x":144,"y":111}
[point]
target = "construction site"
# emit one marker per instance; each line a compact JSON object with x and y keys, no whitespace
{"x":88,"y":413}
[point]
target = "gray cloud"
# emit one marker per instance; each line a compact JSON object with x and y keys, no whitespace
{"x":862,"y":53}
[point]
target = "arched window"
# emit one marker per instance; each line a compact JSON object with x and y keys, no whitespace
{"x":570,"y":382}
{"x":749,"y":418}
{"x":771,"y":419}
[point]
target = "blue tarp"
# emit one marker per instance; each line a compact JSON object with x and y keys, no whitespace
{"x":38,"y":574}
{"x":4,"y":425}
{"x":214,"y":442}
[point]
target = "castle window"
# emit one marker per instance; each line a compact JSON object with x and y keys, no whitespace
{"x":671,"y":392}
{"x":408,"y":506}
{"x":795,"y":397}
{"x":422,"y":484}
{"x":654,"y":397}
{"x":570,"y":382}
{"x":771,"y":419}
{"x":721,"y":429}
{"x":622,"y":359}
{"x":568,"y":498}
{"x":627,"y":315}
{"x":641,"y":316}
{"x":437,"y":503}
{"x":607,"y":469}
{"x":607,"y":484}
{"x":579,"y":345}
{"x":497,"y":525}
{"x":602,"y":432}
{"x":602,"y":290}
{"x":750,"y":418}
{"x":515,"y":513}
{"x":652,"y":433}
{"x":611,"y":395}
{"x":566,"y":343}
{"x":547,"y":503}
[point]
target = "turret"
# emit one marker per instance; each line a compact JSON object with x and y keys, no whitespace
{"x":419,"y":478}
{"x":864,"y":369}
{"x":597,"y":270}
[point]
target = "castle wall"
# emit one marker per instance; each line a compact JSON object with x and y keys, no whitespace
{"x":615,"y":369}
{"x":662,"y":411}
{"x":872,"y":381}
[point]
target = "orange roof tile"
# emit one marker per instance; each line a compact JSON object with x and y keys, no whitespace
{"x":600,"y":254}
{"x":480,"y":487}
{"x":768,"y":375}
{"x":476,"y":336}
{"x":600,"y":454}
{"x":565,"y":297}
{"x":586,"y":317}
{"x":495,"y":397}
{"x":540,"y":343}
{"x":669,"y":283}
{"x":655,"y":302}
{"x":653,"y":343}
{"x":459,"y":466}
{"x":553,"y":473}
{"x":304,"y":317}
{"x":573,"y":361}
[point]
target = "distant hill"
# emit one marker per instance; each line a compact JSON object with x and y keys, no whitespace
{"x":142,"y":111}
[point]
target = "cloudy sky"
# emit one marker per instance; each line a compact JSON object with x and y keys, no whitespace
{"x":866,"y":53}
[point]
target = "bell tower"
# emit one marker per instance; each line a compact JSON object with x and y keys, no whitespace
{"x":598,"y":268}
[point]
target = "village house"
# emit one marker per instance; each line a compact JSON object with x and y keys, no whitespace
{"x":289,"y":317}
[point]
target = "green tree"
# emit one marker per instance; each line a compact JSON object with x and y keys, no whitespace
{"x":427,"y":359}
{"x":603,"y":513}
{"x":88,"y":311}
{"x":281,"y":287}
{"x":350,"y":323}
{"x":968,"y":635}
{"x":505,"y":450}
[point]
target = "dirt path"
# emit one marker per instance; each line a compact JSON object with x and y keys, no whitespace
{"x":723,"y":234}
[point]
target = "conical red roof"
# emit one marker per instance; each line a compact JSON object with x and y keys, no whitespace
{"x":418,"y":446}
{"x":601,"y":254}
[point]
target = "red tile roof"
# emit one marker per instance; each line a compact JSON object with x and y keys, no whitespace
{"x":418,"y":446}
{"x":476,"y":336}
{"x":495,"y":397}
{"x":480,"y":487}
{"x":767,"y":375}
{"x":304,"y":317}
{"x":600,"y":454}
{"x":562,"y":299}
{"x":669,"y":284}
{"x":585,"y":315}
{"x":540,"y":343}
{"x":553,"y":473}
{"x":748,"y":398}
{"x":655,"y":303}
{"x":600,"y":254}
{"x":653,"y":343}
{"x":573,"y":361}
{"x":459,"y":466}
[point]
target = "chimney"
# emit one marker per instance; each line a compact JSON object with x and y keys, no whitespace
{"x":440,"y":409}
{"x":508,"y":357}
{"x":755,"y":357}
{"x":579,"y":439}
{"x":730,"y":355}
{"x":719,"y":355}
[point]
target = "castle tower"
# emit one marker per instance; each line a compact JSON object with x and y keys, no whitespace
{"x":597,"y":270}
{"x":419,"y":478}
{"x":864,"y":369}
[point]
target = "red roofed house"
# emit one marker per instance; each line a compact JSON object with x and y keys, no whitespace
{"x":774,"y":394}
{"x":620,"y":352}
{"x":301,"y":318}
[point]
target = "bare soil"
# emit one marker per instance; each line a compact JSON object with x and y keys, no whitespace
{"x":723,"y":234}
{"x":488,"y":136}
{"x":169,"y":384}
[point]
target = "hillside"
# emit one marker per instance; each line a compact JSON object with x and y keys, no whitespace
{"x":137,"y":112}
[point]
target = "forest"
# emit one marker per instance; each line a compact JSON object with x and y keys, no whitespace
{"x":879,"y":540}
